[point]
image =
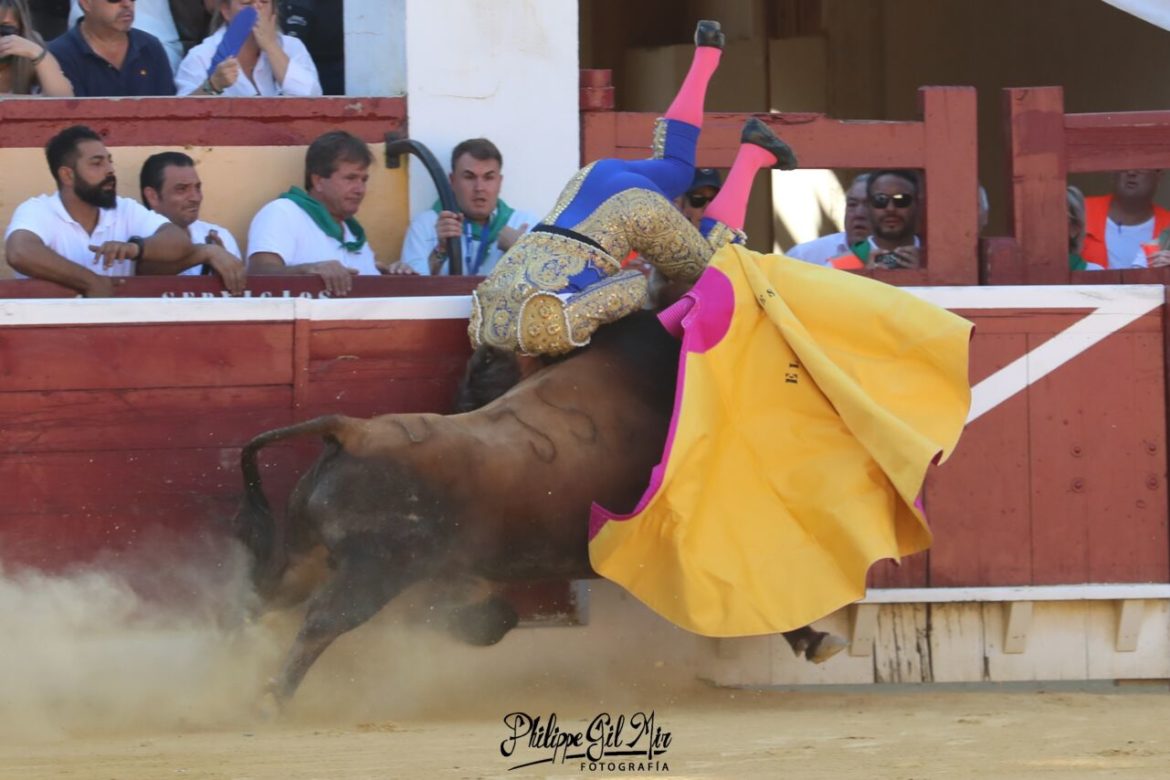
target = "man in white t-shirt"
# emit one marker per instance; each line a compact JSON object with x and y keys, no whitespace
{"x":171,"y":186}
{"x":485,"y":224}
{"x":315,"y":231}
{"x":84,"y":234}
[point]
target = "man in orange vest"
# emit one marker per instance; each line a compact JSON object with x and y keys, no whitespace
{"x":1121,"y":228}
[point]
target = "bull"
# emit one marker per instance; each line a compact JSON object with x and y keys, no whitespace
{"x":497,"y":495}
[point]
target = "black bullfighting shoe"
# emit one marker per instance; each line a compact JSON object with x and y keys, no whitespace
{"x":709,"y":33}
{"x":759,"y":134}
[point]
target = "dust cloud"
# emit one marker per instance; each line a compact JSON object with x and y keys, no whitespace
{"x":153,"y":639}
{"x":161,"y":640}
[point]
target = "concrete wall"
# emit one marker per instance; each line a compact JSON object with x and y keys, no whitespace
{"x":503,"y":69}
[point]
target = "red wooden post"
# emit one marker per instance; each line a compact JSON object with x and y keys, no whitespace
{"x":598,"y":120}
{"x":1038,"y":173}
{"x":596,"y":90}
{"x":951,"y":161}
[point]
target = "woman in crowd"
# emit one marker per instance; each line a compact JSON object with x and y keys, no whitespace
{"x":26,"y":65}
{"x":268,"y":63}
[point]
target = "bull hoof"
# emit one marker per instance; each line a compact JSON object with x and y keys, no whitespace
{"x":824,"y":647}
{"x":270,"y":705}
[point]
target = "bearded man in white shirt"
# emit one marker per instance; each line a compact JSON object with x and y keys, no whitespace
{"x":83,"y":235}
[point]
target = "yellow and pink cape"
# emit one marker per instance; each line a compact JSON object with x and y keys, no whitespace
{"x":810,"y":404}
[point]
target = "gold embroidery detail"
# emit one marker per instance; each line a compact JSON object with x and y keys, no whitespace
{"x":538,"y":263}
{"x":643,"y":221}
{"x":605,"y":302}
{"x":475,"y":323}
{"x":720,"y":235}
{"x":544,"y":326}
{"x":568,"y":194}
{"x":658,"y":140}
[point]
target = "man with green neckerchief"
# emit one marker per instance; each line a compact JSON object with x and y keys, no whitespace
{"x":485,"y":224}
{"x":314,"y":230}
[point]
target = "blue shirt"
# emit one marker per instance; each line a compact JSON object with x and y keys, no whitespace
{"x":145,"y":71}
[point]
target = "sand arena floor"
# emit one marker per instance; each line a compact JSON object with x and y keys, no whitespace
{"x":714,"y":734}
{"x":97,"y":684}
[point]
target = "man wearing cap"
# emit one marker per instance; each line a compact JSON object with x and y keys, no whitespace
{"x":704,"y":187}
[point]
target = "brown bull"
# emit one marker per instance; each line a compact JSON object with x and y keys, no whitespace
{"x":500,"y":494}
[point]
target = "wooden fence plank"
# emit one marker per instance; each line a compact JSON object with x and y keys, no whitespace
{"x":1036,"y":198}
{"x":182,"y":121}
{"x":145,"y":356}
{"x":951,"y":164}
{"x":163,"y":419}
{"x":818,"y":141}
{"x":1098,"y":498}
{"x":978,"y":506}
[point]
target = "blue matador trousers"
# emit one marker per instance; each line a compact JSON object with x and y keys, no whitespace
{"x":563,"y":279}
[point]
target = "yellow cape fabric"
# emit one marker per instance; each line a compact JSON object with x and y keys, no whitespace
{"x":800,"y":446}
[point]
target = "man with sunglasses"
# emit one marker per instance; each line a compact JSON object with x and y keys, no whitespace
{"x":102,"y":56}
{"x":892,"y":197}
{"x":704,"y":187}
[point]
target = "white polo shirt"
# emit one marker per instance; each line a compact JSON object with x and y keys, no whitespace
{"x":820,"y":251}
{"x":198,"y":231}
{"x":45,"y":215}
{"x":283,"y":228}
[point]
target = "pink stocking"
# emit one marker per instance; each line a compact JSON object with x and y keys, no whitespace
{"x":688,"y":103}
{"x":730,"y":205}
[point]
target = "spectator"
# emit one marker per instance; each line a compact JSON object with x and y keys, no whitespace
{"x":319,"y":25}
{"x":26,"y":66}
{"x":1076,"y":232}
{"x":821,"y":250}
{"x":704,"y":187}
{"x":892,"y":204}
{"x":84,"y":234}
{"x":104,"y":57}
{"x":269,"y":63}
{"x":486,"y":224}
{"x":316,"y":232}
{"x":155,"y":17}
{"x":171,"y":186}
{"x":693,"y":204}
{"x":1118,"y":225}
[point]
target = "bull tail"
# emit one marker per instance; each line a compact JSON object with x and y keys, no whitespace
{"x":254,"y":524}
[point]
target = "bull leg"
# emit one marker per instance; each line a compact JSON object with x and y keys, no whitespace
{"x":359,"y":588}
{"x":815,"y":646}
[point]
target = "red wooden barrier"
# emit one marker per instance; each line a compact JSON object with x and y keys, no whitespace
{"x":201,"y":121}
{"x":943,"y":144}
{"x":1046,"y":145}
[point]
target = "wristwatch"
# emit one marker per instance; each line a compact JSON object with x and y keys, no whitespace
{"x":139,"y":242}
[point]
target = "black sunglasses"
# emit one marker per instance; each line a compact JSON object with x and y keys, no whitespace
{"x":699,"y":201}
{"x":879,"y":200}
